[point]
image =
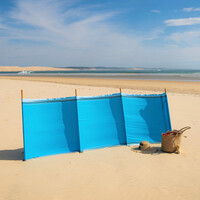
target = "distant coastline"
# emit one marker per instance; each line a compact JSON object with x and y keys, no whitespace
{"x":30,"y":68}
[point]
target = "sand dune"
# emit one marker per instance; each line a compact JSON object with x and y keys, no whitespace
{"x":30,"y":68}
{"x":111,"y":173}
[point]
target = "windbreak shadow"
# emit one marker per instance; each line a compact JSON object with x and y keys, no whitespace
{"x":118,"y":115}
{"x":152,"y":150}
{"x":12,"y":154}
{"x":154,"y":118}
{"x":70,"y":120}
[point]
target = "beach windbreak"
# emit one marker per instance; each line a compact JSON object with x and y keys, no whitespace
{"x":71,"y":124}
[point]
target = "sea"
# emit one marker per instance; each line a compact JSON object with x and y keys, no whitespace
{"x":118,"y":73}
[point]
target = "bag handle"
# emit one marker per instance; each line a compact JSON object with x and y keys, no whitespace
{"x":184,"y":129}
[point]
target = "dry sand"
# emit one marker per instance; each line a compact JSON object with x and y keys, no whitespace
{"x":147,"y":85}
{"x":30,"y":68}
{"x":110,"y":173}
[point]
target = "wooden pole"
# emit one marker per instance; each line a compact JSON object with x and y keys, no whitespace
{"x":22,"y":94}
{"x":165,"y":90}
{"x":120,"y":89}
{"x":76,"y":92}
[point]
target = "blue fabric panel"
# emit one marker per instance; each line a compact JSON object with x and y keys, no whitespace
{"x":54,"y":126}
{"x":146,"y":117}
{"x":50,"y":128}
{"x":101,"y":122}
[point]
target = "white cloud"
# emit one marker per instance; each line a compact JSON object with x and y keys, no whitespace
{"x":46,"y":32}
{"x":183,"y":21}
{"x":155,"y":11}
{"x":69,"y":27}
{"x":190,"y":9}
{"x":74,"y":36}
{"x":189,"y":38}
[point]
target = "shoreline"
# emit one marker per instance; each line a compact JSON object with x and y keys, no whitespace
{"x":107,"y":75}
{"x":182,"y":87}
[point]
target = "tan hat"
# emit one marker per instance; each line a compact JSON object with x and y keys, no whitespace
{"x":144,"y":145}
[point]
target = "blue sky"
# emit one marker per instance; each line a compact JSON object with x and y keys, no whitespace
{"x":115,"y":33}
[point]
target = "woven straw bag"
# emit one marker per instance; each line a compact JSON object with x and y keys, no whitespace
{"x":171,"y":140}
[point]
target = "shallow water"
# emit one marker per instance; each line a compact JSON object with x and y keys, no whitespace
{"x":147,"y":74}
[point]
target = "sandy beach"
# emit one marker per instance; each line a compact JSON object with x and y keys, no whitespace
{"x":182,"y":87}
{"x":109,"y":173}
